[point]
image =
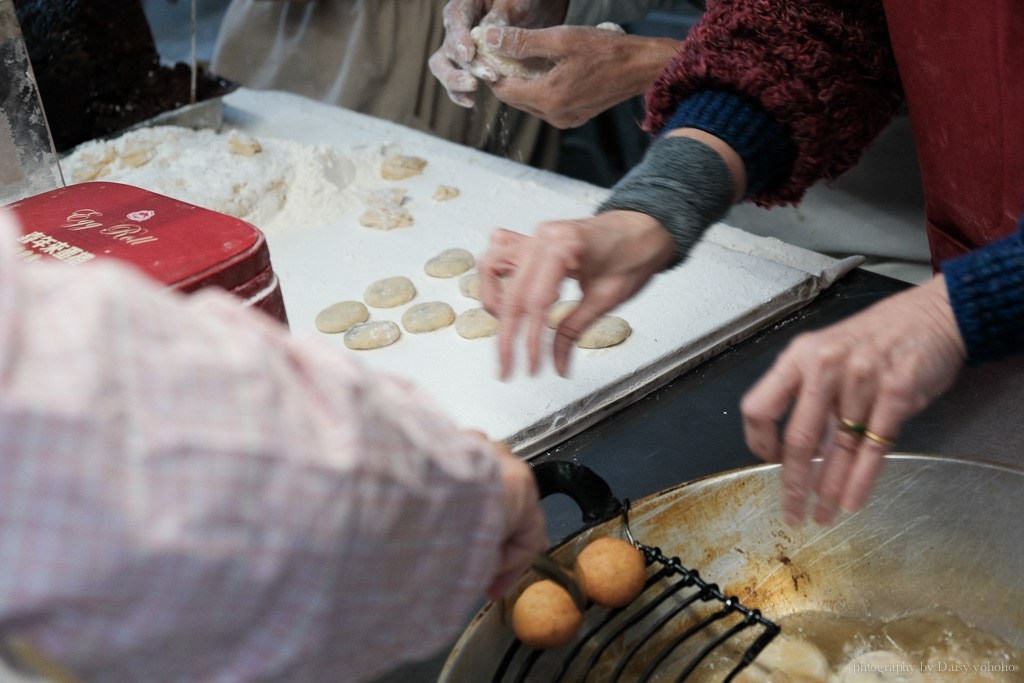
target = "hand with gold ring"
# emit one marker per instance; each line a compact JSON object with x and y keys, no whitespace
{"x":844,"y":392}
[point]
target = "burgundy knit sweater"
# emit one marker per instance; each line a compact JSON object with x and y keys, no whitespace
{"x":822,"y":69}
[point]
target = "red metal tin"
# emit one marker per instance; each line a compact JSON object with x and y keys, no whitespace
{"x":181,"y":245}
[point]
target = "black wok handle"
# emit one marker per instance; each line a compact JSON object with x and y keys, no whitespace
{"x":588,"y":490}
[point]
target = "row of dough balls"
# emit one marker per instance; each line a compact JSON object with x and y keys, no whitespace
{"x":385,"y":209}
{"x":352,"y":317}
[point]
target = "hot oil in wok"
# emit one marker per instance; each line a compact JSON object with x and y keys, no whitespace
{"x":931,"y":646}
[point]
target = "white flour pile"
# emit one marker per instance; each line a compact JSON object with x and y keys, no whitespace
{"x":270,"y":182}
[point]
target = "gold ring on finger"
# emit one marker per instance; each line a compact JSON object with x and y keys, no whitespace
{"x":888,"y":443}
{"x":853,"y":427}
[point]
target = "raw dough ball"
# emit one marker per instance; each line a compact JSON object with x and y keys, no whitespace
{"x":558,"y":312}
{"x":386,"y":217}
{"x":243,"y":144}
{"x":789,"y":659}
{"x":476,"y":323}
{"x":445,"y":192}
{"x":373,"y":335}
{"x":390,"y":292}
{"x":400,"y":167}
{"x":469,"y":285}
{"x":612,"y":571}
{"x":427,"y":317}
{"x":450,"y":262}
{"x":341,"y":316}
{"x":607,"y":331}
{"x":545,"y":616}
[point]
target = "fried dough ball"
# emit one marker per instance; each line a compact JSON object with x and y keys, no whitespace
{"x":612,"y":571}
{"x":545,"y":615}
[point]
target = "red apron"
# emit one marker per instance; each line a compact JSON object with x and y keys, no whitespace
{"x":962,"y":67}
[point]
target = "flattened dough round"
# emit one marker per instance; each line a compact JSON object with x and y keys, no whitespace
{"x":607,"y":331}
{"x":469,"y":285}
{"x":445,"y":192}
{"x":386,"y":217}
{"x":427,"y":317}
{"x":341,"y":316}
{"x":476,"y":323}
{"x":372,"y":335}
{"x":450,"y":262}
{"x":400,"y":167}
{"x":390,"y":292}
{"x":558,"y":312}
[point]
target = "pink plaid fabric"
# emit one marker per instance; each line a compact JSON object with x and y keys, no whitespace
{"x":190,"y":493}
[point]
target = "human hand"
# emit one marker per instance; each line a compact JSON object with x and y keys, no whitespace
{"x":589,"y":69}
{"x":451,"y":61}
{"x":525,"y":528}
{"x":876,"y":369}
{"x":612,"y":256}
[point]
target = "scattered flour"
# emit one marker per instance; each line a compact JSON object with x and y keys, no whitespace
{"x":272,"y":183}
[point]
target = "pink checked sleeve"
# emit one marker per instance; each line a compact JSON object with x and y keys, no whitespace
{"x":190,"y":493}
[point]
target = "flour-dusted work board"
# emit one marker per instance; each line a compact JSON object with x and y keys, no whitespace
{"x":305,"y":173}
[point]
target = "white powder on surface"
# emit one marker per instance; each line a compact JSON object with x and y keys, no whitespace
{"x":283,"y":184}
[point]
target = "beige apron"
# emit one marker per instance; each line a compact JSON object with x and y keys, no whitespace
{"x":370,"y":56}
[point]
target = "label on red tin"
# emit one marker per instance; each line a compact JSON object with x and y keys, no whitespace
{"x":179,"y":244}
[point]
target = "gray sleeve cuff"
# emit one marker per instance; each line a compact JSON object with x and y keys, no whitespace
{"x":683,"y":184}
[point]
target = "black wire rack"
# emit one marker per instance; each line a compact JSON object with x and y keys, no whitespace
{"x":681,"y":626}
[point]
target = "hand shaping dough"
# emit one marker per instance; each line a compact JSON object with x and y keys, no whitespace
{"x":449,"y":263}
{"x":427,"y":317}
{"x":400,"y":167}
{"x":469,"y":285}
{"x":503,"y":66}
{"x":372,"y":335}
{"x":476,"y":323}
{"x":390,"y":292}
{"x":341,"y":316}
{"x":607,"y":331}
{"x":516,"y":68}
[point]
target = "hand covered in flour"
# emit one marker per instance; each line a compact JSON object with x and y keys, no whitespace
{"x":612,"y":256}
{"x":524,"y":531}
{"x":450,"y":64}
{"x":872,"y":371}
{"x":587,"y":70}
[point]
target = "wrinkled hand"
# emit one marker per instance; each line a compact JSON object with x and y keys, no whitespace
{"x":450,"y":63}
{"x":612,"y":256}
{"x":591,"y":70}
{"x":877,"y":368}
{"x":525,"y":527}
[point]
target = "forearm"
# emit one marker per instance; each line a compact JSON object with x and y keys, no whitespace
{"x":642,"y":59}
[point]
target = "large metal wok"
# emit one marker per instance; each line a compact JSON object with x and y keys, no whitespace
{"x":937,"y":534}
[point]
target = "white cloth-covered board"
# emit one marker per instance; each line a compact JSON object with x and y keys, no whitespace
{"x":734,"y":283}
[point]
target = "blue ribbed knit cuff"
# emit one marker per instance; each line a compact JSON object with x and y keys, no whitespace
{"x":986,"y":291}
{"x":764,"y":145}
